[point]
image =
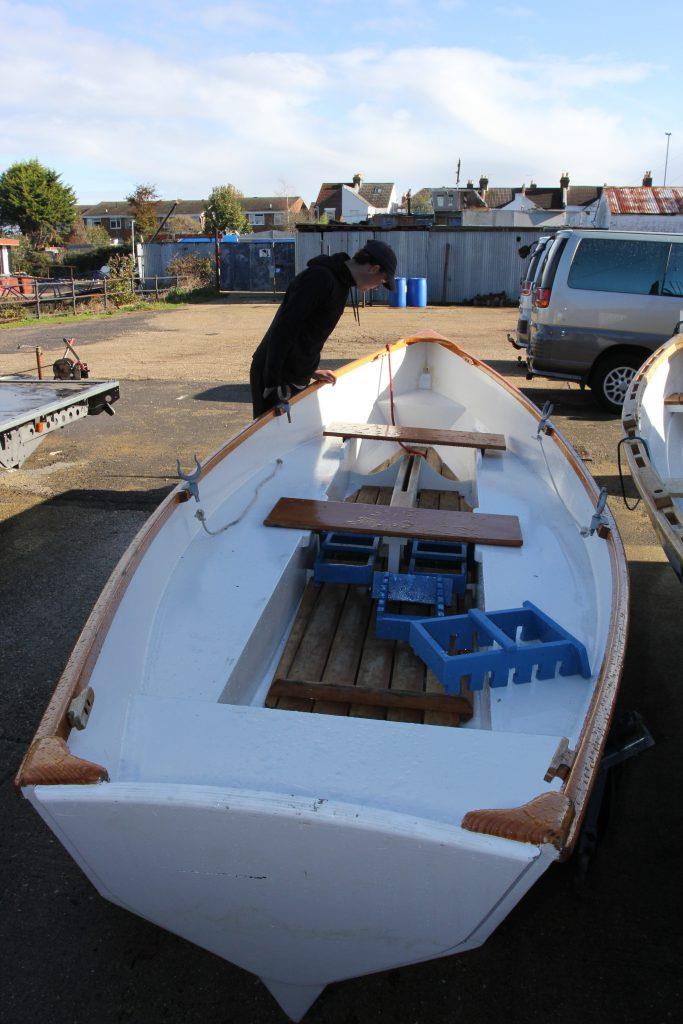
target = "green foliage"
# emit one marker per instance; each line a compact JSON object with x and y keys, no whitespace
{"x":192,"y":271}
{"x":323,"y":219}
{"x":121,"y":279}
{"x":34,"y":198}
{"x":224,"y":212}
{"x":181,"y":224}
{"x":421,"y":202}
{"x":11,"y":308}
{"x":144,"y":201}
{"x":25,"y":259}
{"x":85,"y":264}
{"x":97,"y":236}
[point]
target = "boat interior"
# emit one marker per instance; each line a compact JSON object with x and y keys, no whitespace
{"x":265,"y":606}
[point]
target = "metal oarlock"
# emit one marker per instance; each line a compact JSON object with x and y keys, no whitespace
{"x":192,"y":479}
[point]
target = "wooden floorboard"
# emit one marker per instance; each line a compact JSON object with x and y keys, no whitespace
{"x":333,"y":641}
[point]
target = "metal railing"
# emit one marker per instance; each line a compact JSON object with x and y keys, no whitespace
{"x":44,"y":292}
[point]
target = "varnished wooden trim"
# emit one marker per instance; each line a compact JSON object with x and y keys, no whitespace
{"x":50,"y":763}
{"x":545,"y":819}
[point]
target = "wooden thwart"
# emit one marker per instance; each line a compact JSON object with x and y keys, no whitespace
{"x":391,"y":521}
{"x":368,"y":696}
{"x":417,"y":435}
{"x":675,"y":399}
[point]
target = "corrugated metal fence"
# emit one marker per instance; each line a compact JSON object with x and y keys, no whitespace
{"x":156,"y":256}
{"x":458,"y":264}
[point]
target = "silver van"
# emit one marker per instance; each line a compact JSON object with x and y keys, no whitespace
{"x":605,"y":300}
{"x":520,"y":340}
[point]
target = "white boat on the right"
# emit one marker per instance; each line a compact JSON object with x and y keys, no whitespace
{"x":652,"y":419}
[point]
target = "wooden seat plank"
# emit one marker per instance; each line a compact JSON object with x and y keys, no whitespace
{"x":417,"y":435}
{"x":390,"y":521}
{"x":675,"y":399}
{"x":370,"y":697}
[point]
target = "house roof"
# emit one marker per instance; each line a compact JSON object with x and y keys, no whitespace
{"x":376,"y":193}
{"x":266,"y":204}
{"x":649,"y":200}
{"x":121,"y":208}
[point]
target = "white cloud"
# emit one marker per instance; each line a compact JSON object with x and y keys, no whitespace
{"x":109,"y":116}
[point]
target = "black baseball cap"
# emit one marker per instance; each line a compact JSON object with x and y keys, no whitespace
{"x":385,"y":257}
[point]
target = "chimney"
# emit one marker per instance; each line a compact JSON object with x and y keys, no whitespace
{"x":564,"y":185}
{"x":357,"y":181}
{"x":647,"y":179}
{"x":483,"y":185}
{"x":470,"y":183}
{"x":532,"y":184}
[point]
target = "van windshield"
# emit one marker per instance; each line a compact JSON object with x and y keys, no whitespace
{"x":619,"y":265}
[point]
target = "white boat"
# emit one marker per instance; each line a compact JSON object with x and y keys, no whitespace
{"x":652,"y":419}
{"x":306,"y":831}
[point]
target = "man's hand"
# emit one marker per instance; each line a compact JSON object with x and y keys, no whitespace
{"x":326,"y":376}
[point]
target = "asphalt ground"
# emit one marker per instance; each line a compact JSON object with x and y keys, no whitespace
{"x":603,"y":949}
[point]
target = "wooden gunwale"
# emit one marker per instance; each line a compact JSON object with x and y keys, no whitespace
{"x":658,"y":501}
{"x":578,"y":784}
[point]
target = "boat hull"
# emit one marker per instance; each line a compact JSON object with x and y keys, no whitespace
{"x":301,"y":892}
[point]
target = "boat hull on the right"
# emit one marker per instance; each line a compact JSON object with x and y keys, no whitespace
{"x":652,"y":420}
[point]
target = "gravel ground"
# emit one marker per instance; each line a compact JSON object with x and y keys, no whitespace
{"x":604,"y":951}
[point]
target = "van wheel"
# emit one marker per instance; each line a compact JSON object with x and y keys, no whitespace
{"x":610,"y":379}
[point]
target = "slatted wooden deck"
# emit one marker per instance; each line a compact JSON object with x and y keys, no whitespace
{"x":333,"y":642}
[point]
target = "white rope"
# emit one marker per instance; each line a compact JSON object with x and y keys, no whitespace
{"x":201,"y":516}
{"x":577,"y":524}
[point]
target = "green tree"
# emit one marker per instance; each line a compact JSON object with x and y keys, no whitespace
{"x":144,"y":202}
{"x":182,"y":224}
{"x":224,"y":212}
{"x":35,"y":199}
{"x":421,"y":202}
{"x":97,"y":236}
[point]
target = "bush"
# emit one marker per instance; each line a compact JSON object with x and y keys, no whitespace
{"x":24,"y":259}
{"x":11,"y":308}
{"x":86,"y":264}
{"x":121,"y":279}
{"x":192,"y":272}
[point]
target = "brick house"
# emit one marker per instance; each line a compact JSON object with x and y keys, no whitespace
{"x":117,"y":217}
{"x":267,"y":213}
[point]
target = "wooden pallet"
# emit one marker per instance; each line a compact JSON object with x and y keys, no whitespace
{"x":332,"y":653}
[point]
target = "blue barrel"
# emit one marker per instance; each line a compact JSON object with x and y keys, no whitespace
{"x":398,"y":298}
{"x":417,"y":291}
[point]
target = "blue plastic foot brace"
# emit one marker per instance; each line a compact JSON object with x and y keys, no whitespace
{"x":419,"y":589}
{"x":346,"y":545}
{"x":498,"y":646}
{"x":450,"y":556}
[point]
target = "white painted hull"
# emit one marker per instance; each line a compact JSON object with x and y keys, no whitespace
{"x":310,"y":848}
{"x":654,"y":428}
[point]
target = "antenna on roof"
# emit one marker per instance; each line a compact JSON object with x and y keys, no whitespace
{"x":457,"y":174}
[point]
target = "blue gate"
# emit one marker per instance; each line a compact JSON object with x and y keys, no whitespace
{"x":257,"y":265}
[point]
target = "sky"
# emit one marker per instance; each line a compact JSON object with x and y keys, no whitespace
{"x":279,"y":97}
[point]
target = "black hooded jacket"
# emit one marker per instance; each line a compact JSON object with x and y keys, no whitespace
{"x":310,"y":310}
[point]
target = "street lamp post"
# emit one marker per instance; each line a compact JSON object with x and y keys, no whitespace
{"x":666,"y":161}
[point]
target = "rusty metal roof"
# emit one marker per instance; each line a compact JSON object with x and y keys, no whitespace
{"x":656,"y":200}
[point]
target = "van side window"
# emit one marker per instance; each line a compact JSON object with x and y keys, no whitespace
{"x":673,"y":278}
{"x":619,"y":265}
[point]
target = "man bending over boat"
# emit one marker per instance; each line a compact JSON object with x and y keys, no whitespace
{"x":288,"y":357}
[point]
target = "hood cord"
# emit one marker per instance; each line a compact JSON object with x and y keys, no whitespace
{"x":354,"y":304}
